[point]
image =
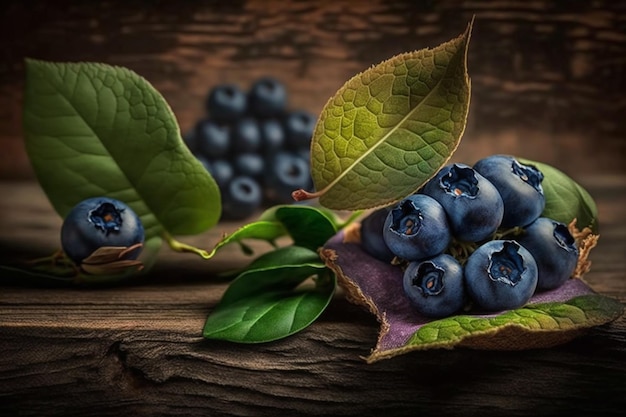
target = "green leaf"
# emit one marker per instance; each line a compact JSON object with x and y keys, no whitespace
{"x":261,"y":230}
{"x":267,"y":301}
{"x":566,"y":200}
{"x":581,"y":312}
{"x":307,"y":226}
{"x":93,"y":129}
{"x":390,"y":128}
{"x":282,"y":268}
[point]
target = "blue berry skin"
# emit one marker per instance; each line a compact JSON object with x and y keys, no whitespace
{"x":272,"y":136}
{"x":554,"y":250}
{"x":249,"y":165}
{"x":519,"y":186}
{"x":246,"y":135}
{"x":212,"y":139}
{"x":226,"y":103}
{"x":267,"y":98}
{"x":286,"y":172}
{"x":372,"y":239}
{"x":435,"y":287}
{"x":97,"y":222}
{"x":416,"y":228}
{"x":222,"y":171}
{"x":500,"y":275}
{"x":299,"y":127}
{"x":472,"y":203}
{"x":241,"y":198}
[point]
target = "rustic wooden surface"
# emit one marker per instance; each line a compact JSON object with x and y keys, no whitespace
{"x":548,"y":77}
{"x":136,"y":349}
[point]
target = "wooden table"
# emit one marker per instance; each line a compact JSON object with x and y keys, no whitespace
{"x":136,"y":349}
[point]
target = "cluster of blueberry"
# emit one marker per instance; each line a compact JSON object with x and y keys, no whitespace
{"x":256,"y":149}
{"x":474,"y":236}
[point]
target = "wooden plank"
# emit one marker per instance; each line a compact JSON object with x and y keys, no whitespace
{"x":137,"y":349}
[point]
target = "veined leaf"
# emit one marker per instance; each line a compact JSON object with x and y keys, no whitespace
{"x":566,"y":200}
{"x":390,"y":128}
{"x":266,"y":302}
{"x":93,"y":129}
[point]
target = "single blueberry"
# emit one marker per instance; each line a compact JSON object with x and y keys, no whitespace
{"x":285,"y":173}
{"x":241,"y":197}
{"x":97,"y":222}
{"x":500,"y":275}
{"x":272,"y":136}
{"x":416,"y":228}
{"x":299,"y":127}
{"x":519,"y":186}
{"x":226,"y":103}
{"x":554,"y":249}
{"x":372,"y":239}
{"x":435,"y":287}
{"x":212,"y":139}
{"x":246,"y":135}
{"x":472,"y":203}
{"x":249,"y":165}
{"x":222,"y":172}
{"x":267,"y":97}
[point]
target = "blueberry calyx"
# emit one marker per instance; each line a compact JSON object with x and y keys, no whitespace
{"x":529,"y":174}
{"x":106,"y":217}
{"x":564,"y":238}
{"x":460,"y":181}
{"x":407,"y":218}
{"x":429,"y":279}
{"x":507,"y":265}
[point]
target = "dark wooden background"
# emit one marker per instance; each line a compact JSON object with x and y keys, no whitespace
{"x":548,"y":77}
{"x":548,"y":83}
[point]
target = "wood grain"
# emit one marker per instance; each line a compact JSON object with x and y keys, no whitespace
{"x":136,"y":348}
{"x":547,"y":77}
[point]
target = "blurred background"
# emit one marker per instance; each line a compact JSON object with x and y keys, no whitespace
{"x":548,"y":77}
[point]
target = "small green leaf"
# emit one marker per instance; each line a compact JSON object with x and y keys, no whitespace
{"x":93,"y":129}
{"x":261,"y":230}
{"x":307,"y":226}
{"x":566,"y":200}
{"x":267,"y":302}
{"x":282,"y":268}
{"x":390,"y":128}
{"x":267,"y":316}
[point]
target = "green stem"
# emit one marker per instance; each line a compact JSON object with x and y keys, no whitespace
{"x":177,"y":246}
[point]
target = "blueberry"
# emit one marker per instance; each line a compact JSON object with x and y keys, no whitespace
{"x":249,"y":165}
{"x":435,"y":287}
{"x":299,"y":127}
{"x":500,"y":275}
{"x":212,"y":139}
{"x":190,"y":139}
{"x":246,"y":135}
{"x":519,"y":186}
{"x":287,"y":172}
{"x":222,"y":171}
{"x":267,"y":97}
{"x":554,"y":250}
{"x":417,"y":228}
{"x":272,"y":135}
{"x":472,"y":203}
{"x":97,"y":222}
{"x":372,"y":239}
{"x":241,"y":197}
{"x":226,"y":103}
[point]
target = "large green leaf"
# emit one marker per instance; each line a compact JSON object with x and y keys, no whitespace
{"x":390,"y":128}
{"x":566,"y":200}
{"x":307,"y":226}
{"x":93,"y":129}
{"x":267,"y":302}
